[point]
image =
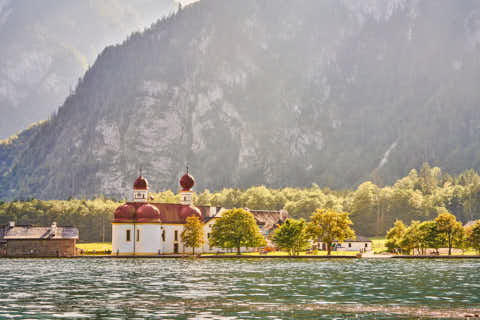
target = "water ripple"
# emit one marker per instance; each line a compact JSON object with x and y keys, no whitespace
{"x":237,"y":289}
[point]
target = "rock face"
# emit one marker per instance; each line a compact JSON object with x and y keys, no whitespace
{"x":47,"y":45}
{"x":275,"y":92}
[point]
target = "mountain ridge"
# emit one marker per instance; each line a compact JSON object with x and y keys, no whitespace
{"x":333,"y":93}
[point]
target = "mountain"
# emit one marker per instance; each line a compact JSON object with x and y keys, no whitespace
{"x":47,"y":45}
{"x":275,"y":92}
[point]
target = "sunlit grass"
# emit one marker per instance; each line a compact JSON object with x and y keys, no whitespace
{"x":99,"y":247}
{"x":378,"y":244}
{"x":285,"y":253}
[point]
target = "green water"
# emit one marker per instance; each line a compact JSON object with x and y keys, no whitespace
{"x":238,"y":289}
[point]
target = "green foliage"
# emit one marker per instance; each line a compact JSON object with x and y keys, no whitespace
{"x":235,"y":229}
{"x":430,"y":236}
{"x":329,"y":225}
{"x":451,"y":229}
{"x":395,"y":236}
{"x":192,"y":234}
{"x":445,"y":230}
{"x":291,"y":236}
{"x":473,"y":236}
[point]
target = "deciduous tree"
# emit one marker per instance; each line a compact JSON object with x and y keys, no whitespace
{"x":328,"y":226}
{"x":236,"y":228}
{"x":291,"y":236}
{"x":192,"y":234}
{"x":448,"y":225}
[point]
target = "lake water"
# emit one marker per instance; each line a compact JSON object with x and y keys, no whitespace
{"x":238,"y":289}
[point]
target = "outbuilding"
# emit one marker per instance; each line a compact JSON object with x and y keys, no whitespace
{"x":29,"y":241}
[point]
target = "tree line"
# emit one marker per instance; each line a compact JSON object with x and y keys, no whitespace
{"x":442,"y":232}
{"x":421,"y":195}
{"x":237,"y":229}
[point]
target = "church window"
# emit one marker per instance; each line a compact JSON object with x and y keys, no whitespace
{"x":208,"y":235}
{"x":138,"y":235}
{"x":163,"y":235}
{"x":366,"y":245}
{"x":128,"y":235}
{"x":176,"y":235}
{"x":349,"y":244}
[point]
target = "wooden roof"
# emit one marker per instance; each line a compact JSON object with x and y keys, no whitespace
{"x":33,"y":233}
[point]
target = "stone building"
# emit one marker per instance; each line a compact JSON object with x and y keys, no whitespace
{"x":29,"y":241}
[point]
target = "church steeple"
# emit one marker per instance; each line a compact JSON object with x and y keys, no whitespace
{"x":187,"y":182}
{"x":140,"y":189}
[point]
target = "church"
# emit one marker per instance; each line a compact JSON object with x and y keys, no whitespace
{"x":142,"y":228}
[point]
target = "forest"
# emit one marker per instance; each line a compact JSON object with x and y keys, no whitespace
{"x":421,"y":195}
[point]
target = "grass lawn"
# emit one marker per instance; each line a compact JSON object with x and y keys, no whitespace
{"x":378,"y":244}
{"x":284,"y":253}
{"x":99,"y":247}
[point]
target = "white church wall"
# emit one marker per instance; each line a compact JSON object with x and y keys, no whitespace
{"x":149,"y":240}
{"x":120,"y":244}
{"x":169,"y":244}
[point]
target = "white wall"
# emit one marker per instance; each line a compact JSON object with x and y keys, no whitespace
{"x":355,"y":246}
{"x":151,"y":242}
{"x":119,"y":241}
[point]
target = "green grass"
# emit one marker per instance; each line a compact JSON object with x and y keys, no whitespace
{"x":284,"y":253}
{"x":378,"y":244}
{"x":99,"y":247}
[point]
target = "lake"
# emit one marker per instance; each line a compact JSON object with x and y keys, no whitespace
{"x":238,"y":289}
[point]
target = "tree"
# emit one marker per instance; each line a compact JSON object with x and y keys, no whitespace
{"x":412,"y":238}
{"x":235,"y":229}
{"x":192,"y":234}
{"x":291,"y":236}
{"x":430,"y":236}
{"x":395,"y":236}
{"x":328,"y":226}
{"x":473,"y":236}
{"x":452,"y":230}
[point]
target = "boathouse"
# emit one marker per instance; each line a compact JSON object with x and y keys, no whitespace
{"x":30,"y":241}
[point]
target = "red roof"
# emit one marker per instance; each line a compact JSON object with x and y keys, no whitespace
{"x":157,"y":212}
{"x":148,"y":213}
{"x":124,"y":212}
{"x":187,"y":182}
{"x":140,"y":184}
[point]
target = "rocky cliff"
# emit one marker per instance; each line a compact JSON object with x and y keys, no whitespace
{"x":275,"y":92}
{"x":47,"y":45}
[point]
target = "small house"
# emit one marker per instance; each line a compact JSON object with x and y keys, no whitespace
{"x":29,"y":241}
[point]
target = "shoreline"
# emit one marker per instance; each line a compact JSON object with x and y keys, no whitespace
{"x":182,"y":256}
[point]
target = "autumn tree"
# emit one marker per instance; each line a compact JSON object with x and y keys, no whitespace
{"x":236,"y":228}
{"x":291,"y":236}
{"x":192,"y":234}
{"x":395,"y":236}
{"x":412,"y":238}
{"x":473,"y":236}
{"x":448,"y":225}
{"x":329,"y":225}
{"x":430,"y":236}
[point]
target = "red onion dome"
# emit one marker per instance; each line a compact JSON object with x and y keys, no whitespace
{"x":187,"y":182}
{"x":148,"y":213}
{"x":124,"y":213}
{"x":140,"y":184}
{"x":188,"y":211}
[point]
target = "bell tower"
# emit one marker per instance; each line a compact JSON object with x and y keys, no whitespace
{"x":187,"y":182}
{"x":140,"y":189}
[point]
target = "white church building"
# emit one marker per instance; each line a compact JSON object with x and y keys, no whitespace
{"x":141,"y":228}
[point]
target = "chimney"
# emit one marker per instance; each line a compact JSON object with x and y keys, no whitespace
{"x":53,"y":230}
{"x":11,"y":224}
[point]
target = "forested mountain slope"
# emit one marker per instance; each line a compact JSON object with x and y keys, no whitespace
{"x":47,"y":45}
{"x":274,"y":92}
